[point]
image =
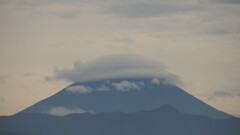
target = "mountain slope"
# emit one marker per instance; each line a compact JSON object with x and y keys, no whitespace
{"x":164,"y":120}
{"x":125,"y":95}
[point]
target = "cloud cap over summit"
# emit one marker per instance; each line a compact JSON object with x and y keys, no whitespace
{"x":115,"y":66}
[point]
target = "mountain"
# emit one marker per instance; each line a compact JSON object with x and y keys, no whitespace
{"x":165,"y":120}
{"x":127,"y":95}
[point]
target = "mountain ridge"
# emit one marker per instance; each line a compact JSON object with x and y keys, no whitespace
{"x":163,"y":120}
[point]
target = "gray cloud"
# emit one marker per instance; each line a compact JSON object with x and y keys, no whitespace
{"x":71,"y":9}
{"x":67,"y":9}
{"x":226,"y":93}
{"x":2,"y":99}
{"x":5,"y":1}
{"x":114,"y":66}
{"x":57,"y":45}
{"x":3,"y":78}
{"x":232,"y":1}
{"x":129,"y":9}
{"x":139,"y":9}
{"x":38,"y":2}
{"x":222,"y":94}
{"x":29,"y":74}
{"x":125,"y":40}
{"x":67,"y":15}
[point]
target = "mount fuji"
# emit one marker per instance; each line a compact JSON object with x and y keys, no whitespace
{"x":127,"y":95}
{"x":129,"y":106}
{"x":119,"y":95}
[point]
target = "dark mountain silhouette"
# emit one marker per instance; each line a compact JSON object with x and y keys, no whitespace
{"x":126,"y":106}
{"x":165,"y":120}
{"x":143,"y":94}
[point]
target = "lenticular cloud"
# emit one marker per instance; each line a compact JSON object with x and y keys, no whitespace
{"x":115,"y":66}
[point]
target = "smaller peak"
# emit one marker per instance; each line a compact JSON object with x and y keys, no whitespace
{"x":166,"y":108}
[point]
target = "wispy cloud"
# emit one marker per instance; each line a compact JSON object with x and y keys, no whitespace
{"x":68,"y":9}
{"x":146,"y":9}
{"x":2,"y":99}
{"x":29,"y":74}
{"x":3,"y":78}
{"x":231,"y":1}
{"x":222,"y":94}
{"x":226,"y":93}
{"x":123,"y":40}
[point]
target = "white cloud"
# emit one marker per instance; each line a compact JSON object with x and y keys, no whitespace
{"x":126,"y":85}
{"x":115,"y":66}
{"x":102,"y":88}
{"x":62,"y":111}
{"x":155,"y":81}
{"x":79,"y":89}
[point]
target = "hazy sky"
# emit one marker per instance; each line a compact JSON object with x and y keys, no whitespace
{"x":197,"y":40}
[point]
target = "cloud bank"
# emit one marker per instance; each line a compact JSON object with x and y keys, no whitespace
{"x":113,"y":67}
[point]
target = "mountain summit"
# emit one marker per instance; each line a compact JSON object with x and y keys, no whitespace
{"x":122,"y":95}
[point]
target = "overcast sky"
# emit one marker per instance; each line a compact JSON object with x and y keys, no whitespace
{"x":196,"y":40}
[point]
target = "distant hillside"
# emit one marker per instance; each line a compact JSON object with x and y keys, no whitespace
{"x":165,"y":120}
